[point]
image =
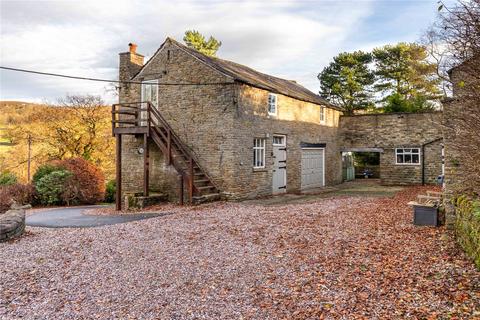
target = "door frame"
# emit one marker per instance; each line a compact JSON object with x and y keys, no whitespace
{"x":323,"y":163}
{"x":152,"y":81}
{"x":142,"y":98}
{"x":284,"y":144}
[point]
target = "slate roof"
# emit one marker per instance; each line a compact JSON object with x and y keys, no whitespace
{"x":255,"y":78}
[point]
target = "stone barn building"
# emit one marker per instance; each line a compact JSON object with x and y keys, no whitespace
{"x":194,"y":127}
{"x":248,"y":134}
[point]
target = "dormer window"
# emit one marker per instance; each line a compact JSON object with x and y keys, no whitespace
{"x":272,"y":104}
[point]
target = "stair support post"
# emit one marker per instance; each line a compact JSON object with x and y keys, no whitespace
{"x":118,"y":172}
{"x":113,"y":120}
{"x":180,"y":191}
{"x":146,"y":167}
{"x":169,"y":146}
{"x":190,"y":181}
{"x":148,"y":118}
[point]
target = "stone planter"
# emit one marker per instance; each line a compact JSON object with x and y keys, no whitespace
{"x":12,"y":223}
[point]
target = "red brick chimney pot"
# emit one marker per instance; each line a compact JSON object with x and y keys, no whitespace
{"x":133,"y":47}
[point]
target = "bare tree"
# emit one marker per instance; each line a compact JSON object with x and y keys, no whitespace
{"x":74,"y":129}
{"x":454,"y":42}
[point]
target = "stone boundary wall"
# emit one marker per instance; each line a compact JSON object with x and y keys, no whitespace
{"x":12,"y":223}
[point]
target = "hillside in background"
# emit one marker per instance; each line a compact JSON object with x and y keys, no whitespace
{"x":50,"y":133}
{"x":14,"y":112}
{"x":11,"y":114}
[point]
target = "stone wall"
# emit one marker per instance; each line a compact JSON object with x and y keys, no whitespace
{"x":12,"y":223}
{"x":461,"y":130}
{"x":202,"y":117}
{"x":462,"y":140}
{"x":299,"y":121}
{"x":401,"y":130}
{"x":218,"y":123}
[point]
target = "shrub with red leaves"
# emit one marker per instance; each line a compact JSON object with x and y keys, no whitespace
{"x":86,"y":186}
{"x":19,"y":193}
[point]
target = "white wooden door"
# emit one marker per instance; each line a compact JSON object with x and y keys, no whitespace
{"x":279,"y":176}
{"x":150,"y":94}
{"x":313,"y":168}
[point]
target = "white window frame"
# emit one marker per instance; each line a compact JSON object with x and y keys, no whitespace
{"x":259,"y":153}
{"x":275,"y":104}
{"x":323,"y":114}
{"x":282,"y":137}
{"x":410,"y":153}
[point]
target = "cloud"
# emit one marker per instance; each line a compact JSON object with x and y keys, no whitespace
{"x":291,"y":39}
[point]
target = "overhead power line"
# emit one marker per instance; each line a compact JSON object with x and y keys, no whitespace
{"x":106,"y":80}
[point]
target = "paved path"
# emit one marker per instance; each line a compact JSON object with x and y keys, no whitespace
{"x":356,"y":188}
{"x":74,"y":218}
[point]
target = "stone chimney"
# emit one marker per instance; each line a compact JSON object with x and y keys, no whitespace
{"x":130,"y":63}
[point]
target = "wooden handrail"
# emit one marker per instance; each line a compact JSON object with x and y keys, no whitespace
{"x":130,"y":121}
{"x":177,"y":140}
{"x":167,"y":126}
{"x":124,"y":112}
{"x":144,"y":112}
{"x":128,"y":104}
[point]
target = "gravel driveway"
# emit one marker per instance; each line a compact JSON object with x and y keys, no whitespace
{"x":338,"y":258}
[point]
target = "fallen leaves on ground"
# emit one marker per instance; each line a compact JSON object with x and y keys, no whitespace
{"x":337,"y":258}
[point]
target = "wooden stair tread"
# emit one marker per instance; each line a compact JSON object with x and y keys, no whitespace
{"x":181,"y":156}
{"x":205,"y":187}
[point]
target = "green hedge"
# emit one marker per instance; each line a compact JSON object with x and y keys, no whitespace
{"x":110,"y":191}
{"x":51,"y":187}
{"x":7,"y":178}
{"x":467,"y":226}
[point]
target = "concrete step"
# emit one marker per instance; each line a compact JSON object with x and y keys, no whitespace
{"x":434,"y":194}
{"x":140,"y":202}
{"x":206,"y":198}
{"x":422,"y":199}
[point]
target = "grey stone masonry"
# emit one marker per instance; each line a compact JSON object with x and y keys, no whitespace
{"x":218,"y":117}
{"x":398,"y":130}
{"x":218,"y":121}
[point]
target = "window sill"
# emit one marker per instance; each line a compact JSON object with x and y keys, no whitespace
{"x":259,"y":169}
{"x":407,"y":164}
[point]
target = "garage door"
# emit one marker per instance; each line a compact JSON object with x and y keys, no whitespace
{"x":313,"y":168}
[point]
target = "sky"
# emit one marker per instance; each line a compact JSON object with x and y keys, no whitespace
{"x":290,"y":39}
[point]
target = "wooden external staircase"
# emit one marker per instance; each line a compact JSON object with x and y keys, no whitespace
{"x":143,"y":118}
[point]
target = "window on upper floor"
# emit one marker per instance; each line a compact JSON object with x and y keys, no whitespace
{"x":407,"y":156}
{"x":323,"y":115}
{"x":259,"y":153}
{"x":272,"y":104}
